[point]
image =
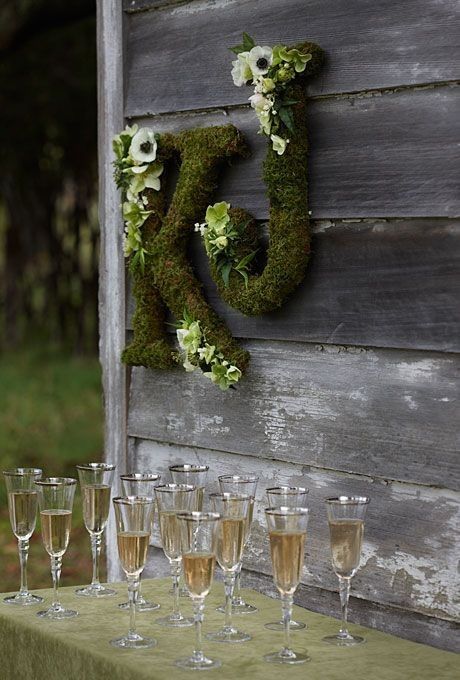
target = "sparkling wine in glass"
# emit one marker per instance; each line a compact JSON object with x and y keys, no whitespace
{"x":287,"y":528}
{"x":198,"y":541}
{"x":231,"y":534}
{"x":173,"y":499}
{"x":346,"y":516}
{"x":195,"y":475}
{"x":55,"y":499}
{"x":246,"y":485}
{"x":140,"y":484}
{"x":287,"y":496}
{"x":134,"y":521}
{"x":22,"y":506}
{"x":96,"y":483}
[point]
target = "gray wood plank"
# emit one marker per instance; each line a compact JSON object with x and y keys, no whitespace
{"x":377,"y":283}
{"x":427,"y":630}
{"x":179,"y":57}
{"x":369,"y":412}
{"x":393,"y":155}
{"x":411,"y":543}
{"x":111,"y":281}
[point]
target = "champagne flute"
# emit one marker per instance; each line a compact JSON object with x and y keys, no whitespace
{"x":289,"y":497}
{"x":140,"y":484}
{"x":346,"y":527}
{"x":55,"y":499}
{"x":95,"y":483}
{"x":195,"y":475}
{"x":173,"y":499}
{"x":234,"y":512}
{"x":22,"y":506}
{"x":198,"y":544}
{"x":247,"y":485}
{"x":287,"y":529}
{"x":134,"y":521}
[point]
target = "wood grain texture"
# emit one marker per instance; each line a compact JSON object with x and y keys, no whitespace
{"x":179,"y":58}
{"x":377,"y":283}
{"x":427,"y":630}
{"x":369,"y":412}
{"x":111,"y":280}
{"x":393,"y":155}
{"x":411,"y":541}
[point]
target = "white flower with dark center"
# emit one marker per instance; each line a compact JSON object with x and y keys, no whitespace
{"x":143,"y":148}
{"x":241,"y":71}
{"x":260,"y":59}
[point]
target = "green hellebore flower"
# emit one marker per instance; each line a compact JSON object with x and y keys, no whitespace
{"x":217,"y":214}
{"x":207,"y":353}
{"x":299,"y":59}
{"x":279,"y":144}
{"x":233,"y":374}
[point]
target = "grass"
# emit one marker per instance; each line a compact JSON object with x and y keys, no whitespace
{"x":50,"y":417}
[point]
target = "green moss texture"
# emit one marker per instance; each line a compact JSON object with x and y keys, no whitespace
{"x":168,"y":280}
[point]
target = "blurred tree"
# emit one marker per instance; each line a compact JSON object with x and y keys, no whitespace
{"x":48,"y":180}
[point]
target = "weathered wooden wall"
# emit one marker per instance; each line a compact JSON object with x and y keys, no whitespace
{"x":353,"y":385}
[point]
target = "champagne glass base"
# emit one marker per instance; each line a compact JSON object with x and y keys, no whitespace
{"x":198,"y":664}
{"x":142,"y":605}
{"x":279,"y":625}
{"x":175,"y":622}
{"x":282,"y":657}
{"x":23,"y":600}
{"x":57,"y":614}
{"x":232,"y":636}
{"x":95,"y":591}
{"x":239,"y":607}
{"x":343,"y":640}
{"x":133,"y":642}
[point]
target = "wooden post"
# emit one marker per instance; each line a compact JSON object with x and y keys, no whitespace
{"x":112,"y":265}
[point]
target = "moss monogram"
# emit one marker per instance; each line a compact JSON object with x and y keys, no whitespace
{"x":157,"y":234}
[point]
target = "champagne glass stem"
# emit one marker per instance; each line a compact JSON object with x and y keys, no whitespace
{"x":23,"y":547}
{"x":344,"y":588}
{"x":56,"y":564}
{"x":96,"y":544}
{"x":286,"y":604}
{"x":198,"y":610}
{"x":236,"y":591}
{"x":229,"y":582}
{"x":133,"y":591}
{"x":175,"y":573}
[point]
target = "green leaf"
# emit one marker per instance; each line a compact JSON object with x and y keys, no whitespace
{"x":225,"y":272}
{"x":248,"y":42}
{"x":247,"y":45}
{"x":287,"y":118}
{"x":238,"y":49}
{"x":289,"y":102}
{"x":245,"y":277}
{"x":242,"y":264}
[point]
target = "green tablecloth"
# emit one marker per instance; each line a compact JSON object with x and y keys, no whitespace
{"x":78,"y":649}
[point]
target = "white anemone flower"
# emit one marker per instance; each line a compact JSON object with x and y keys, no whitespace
{"x":260,"y":59}
{"x":241,"y":71}
{"x":143,"y":148}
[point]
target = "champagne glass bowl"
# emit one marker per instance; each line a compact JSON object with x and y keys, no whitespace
{"x":95,"y":482}
{"x":22,"y":506}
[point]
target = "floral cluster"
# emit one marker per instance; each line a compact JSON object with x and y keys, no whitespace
{"x":198,"y":353}
{"x":270,"y":70}
{"x":220,"y":236}
{"x":136,"y":169}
